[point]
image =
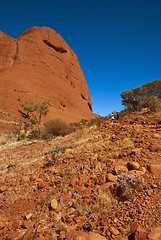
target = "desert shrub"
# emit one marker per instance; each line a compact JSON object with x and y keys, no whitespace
{"x":34,"y":135}
{"x":140,"y":118}
{"x":57,"y":128}
{"x":79,"y":125}
{"x":51,"y":155}
{"x":154,"y":103}
{"x":97,"y":121}
{"x":127,"y":185}
{"x":100,"y":201}
{"x":103,"y":201}
{"x":83,"y":208}
{"x":45,"y":135}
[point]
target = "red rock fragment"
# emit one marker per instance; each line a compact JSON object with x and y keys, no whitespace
{"x":28,"y":216}
{"x":114,"y":231}
{"x":33,"y":177}
{"x":80,"y":235}
{"x":133,"y":165}
{"x":95,"y":236}
{"x":54,"y":204}
{"x":41,"y":185}
{"x":28,"y":235}
{"x":26,"y":224}
{"x":2,"y":224}
{"x":110,"y":177}
{"x":154,"y":147}
{"x":155,"y":169}
{"x":62,"y":235}
{"x":140,"y":234}
{"x":2,"y":188}
{"x":134,"y":226}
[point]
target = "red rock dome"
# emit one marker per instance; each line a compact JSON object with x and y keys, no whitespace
{"x":40,"y":66}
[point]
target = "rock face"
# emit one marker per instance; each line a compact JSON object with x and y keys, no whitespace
{"x":38,"y":66}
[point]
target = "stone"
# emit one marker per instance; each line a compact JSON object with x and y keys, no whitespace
{"x":80,"y":235}
{"x":155,"y":147}
{"x":28,"y":216}
{"x":2,"y":188}
{"x":33,"y":177}
{"x":95,"y":236}
{"x":62,"y":234}
{"x":142,"y":169}
{"x":140,"y":234}
{"x":153,"y":185}
{"x":155,"y":169}
{"x":2,"y":224}
{"x":110,"y":177}
{"x":41,"y":185}
{"x":54,"y":204}
{"x":133,"y":165}
{"x":26,"y":224}
{"x":28,"y":234}
{"x":114,"y":231}
{"x":133,"y":227}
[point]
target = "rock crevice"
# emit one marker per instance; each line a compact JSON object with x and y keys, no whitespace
{"x":58,"y":49}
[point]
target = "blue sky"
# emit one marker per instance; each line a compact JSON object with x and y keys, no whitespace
{"x":118,"y":42}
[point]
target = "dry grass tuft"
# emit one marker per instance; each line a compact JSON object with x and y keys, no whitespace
{"x":104,"y":201}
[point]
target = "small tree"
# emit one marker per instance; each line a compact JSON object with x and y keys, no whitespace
{"x":35,"y":112}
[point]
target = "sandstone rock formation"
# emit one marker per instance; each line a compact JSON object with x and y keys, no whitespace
{"x":38,"y":66}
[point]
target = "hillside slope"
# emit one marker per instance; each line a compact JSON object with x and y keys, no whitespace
{"x":49,"y":189}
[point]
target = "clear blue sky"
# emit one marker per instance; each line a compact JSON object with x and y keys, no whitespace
{"x":118,"y":42}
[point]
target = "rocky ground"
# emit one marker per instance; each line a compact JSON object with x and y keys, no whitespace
{"x":96,"y":183}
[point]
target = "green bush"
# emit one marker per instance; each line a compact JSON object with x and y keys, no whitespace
{"x":146,"y":96}
{"x":57,"y":128}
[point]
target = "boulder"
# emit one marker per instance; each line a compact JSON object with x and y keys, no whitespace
{"x":155,"y":169}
